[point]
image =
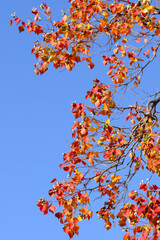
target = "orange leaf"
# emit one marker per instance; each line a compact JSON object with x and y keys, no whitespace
{"x":100,"y":28}
{"x":36,"y":71}
{"x":116,"y":50}
{"x":96,"y":179}
{"x":138,"y":40}
{"x":91,"y":161}
{"x":157,"y":32}
{"x":126,"y":236}
{"x":124,"y":40}
{"x":91,"y":65}
{"x":105,"y":107}
{"x":92,"y":129}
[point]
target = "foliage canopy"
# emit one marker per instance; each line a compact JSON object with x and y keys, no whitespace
{"x":112,"y":141}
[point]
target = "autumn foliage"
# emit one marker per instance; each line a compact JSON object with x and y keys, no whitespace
{"x":112,"y":141}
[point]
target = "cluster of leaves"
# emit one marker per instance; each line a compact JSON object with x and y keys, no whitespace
{"x":99,"y":152}
{"x":69,"y":41}
{"x":146,"y":207}
{"x":105,"y":153}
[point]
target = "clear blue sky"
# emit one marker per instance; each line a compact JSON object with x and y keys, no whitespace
{"x":35,"y":130}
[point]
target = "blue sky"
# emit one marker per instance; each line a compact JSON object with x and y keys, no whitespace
{"x":35,"y":130}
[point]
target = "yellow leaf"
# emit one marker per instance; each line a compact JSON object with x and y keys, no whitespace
{"x":88,"y":26}
{"x":150,"y":8}
{"x":65,"y":18}
{"x":99,"y":142}
{"x":105,"y":13}
{"x":131,"y":155}
{"x":99,"y":9}
{"x":107,"y":121}
{"x":115,"y":178}
{"x":51,"y":59}
{"x":79,"y":218}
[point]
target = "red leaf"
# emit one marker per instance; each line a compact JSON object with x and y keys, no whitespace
{"x":44,"y":208}
{"x":84,"y":162}
{"x":154,"y":187}
{"x":21,"y":29}
{"x":62,"y":165}
{"x":141,"y":209}
{"x":127,"y":213}
{"x":145,"y":235}
{"x":136,"y":11}
{"x":29,"y":28}
{"x":52,"y":209}
{"x":86,"y":139}
{"x":39,"y":203}
{"x":132,"y":195}
{"x":58,"y":215}
{"x":45,"y":5}
{"x":17,"y":20}
{"x":32,"y":50}
{"x":51,"y":192}
{"x":53,"y":180}
{"x":157,"y":210}
{"x":100,"y":28}
{"x":143,"y":186}
{"x":11,"y":22}
{"x":67,"y":168}
{"x":24,"y":24}
{"x":66,"y":229}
